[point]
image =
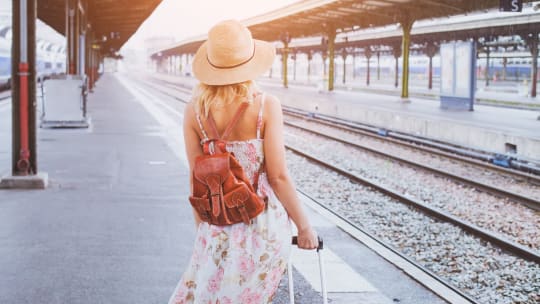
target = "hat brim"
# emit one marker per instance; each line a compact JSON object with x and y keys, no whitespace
{"x":261,"y":61}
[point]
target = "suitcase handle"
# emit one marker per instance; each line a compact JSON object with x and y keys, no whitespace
{"x":321,"y":269}
{"x":319,"y":247}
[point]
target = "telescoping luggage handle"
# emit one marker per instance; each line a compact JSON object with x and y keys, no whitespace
{"x":319,"y":247}
{"x":321,"y":272}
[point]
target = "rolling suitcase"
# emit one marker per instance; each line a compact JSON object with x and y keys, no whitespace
{"x":321,"y":272}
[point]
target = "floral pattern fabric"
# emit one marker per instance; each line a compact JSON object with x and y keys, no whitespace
{"x":239,"y":263}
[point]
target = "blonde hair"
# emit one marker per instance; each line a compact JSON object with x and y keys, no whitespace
{"x":204,"y":96}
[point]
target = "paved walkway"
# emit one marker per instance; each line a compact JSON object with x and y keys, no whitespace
{"x":111,"y":227}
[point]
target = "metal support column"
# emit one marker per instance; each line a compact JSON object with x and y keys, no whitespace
{"x":324,"y":56}
{"x":309,"y":58}
{"x":81,"y":36}
{"x":378,"y":65}
{"x":487,"y":65}
{"x":285,"y":39}
{"x":24,"y":167}
{"x":396,"y":51}
{"x":88,"y":55}
{"x":406,"y":24}
{"x":532,"y":42}
{"x":368,"y":53}
{"x":431,"y":50}
{"x":505,"y":63}
{"x":23,"y":75}
{"x":293,"y":57}
{"x":344,"y":56}
{"x":354,"y":64}
{"x":331,"y":57}
{"x":284,"y":79}
{"x":72,"y":36}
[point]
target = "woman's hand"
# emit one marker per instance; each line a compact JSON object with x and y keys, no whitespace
{"x":307,"y":239}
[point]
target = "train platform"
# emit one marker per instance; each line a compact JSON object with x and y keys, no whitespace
{"x":115,"y":226}
{"x":509,"y":94}
{"x":492,"y":129}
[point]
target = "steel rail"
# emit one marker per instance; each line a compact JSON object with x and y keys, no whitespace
{"x":423,"y":145}
{"x":391,"y":248}
{"x":527,"y":201}
{"x":510,"y":246}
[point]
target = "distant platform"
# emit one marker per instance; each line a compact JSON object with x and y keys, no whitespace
{"x":487,"y":128}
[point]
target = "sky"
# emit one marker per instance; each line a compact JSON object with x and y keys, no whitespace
{"x":183,"y":19}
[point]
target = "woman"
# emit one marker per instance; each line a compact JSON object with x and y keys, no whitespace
{"x":241,"y":263}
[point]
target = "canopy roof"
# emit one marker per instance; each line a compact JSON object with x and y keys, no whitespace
{"x":115,"y":19}
{"x":310,"y":18}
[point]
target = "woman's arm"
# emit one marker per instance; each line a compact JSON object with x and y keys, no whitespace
{"x":193,"y":147}
{"x":278,"y":176}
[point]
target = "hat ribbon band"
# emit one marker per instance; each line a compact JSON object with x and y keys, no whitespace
{"x":232,"y":66}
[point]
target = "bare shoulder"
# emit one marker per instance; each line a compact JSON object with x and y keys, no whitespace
{"x":190,"y":116}
{"x":272,"y":104}
{"x":271,"y":99}
{"x":189,"y":111}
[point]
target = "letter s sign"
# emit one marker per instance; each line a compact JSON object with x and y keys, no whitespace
{"x":516,"y":6}
{"x":510,"y":5}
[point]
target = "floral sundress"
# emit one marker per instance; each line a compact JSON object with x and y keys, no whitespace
{"x":239,"y":263}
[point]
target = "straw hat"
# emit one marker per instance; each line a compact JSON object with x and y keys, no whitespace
{"x":231,"y":55}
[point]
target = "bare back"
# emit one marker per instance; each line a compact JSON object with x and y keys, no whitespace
{"x":245,"y":129}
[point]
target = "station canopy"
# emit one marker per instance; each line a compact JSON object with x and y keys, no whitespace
{"x":310,"y":18}
{"x":115,"y":19}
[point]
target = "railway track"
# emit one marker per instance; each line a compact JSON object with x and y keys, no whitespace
{"x":477,"y":158}
{"x":435,"y":239}
{"x":420,"y":273}
{"x":524,"y":199}
{"x":512,"y":247}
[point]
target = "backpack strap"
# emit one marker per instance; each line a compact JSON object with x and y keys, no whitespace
{"x":257,"y":175}
{"x":260,"y":116}
{"x":215,"y":134}
{"x":230,"y":126}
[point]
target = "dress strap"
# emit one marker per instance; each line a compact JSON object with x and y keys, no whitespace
{"x":259,"y":118}
{"x":202,"y":128}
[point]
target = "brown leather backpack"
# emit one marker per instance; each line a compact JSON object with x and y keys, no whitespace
{"x":222,"y":193}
